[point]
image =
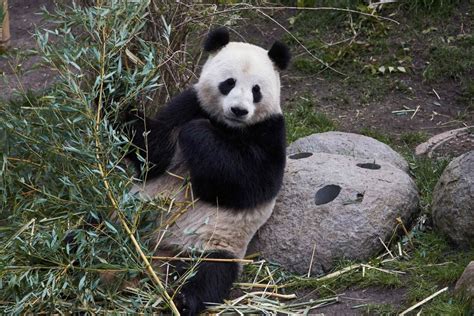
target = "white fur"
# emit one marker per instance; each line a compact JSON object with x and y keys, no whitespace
{"x":249,"y":65}
{"x":198,"y":226}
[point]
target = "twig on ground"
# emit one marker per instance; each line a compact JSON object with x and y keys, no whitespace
{"x":423,"y":301}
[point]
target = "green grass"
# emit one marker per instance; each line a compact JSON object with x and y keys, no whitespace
{"x":413,"y":138}
{"x":2,"y":13}
{"x":467,"y":94}
{"x":379,"y":309}
{"x":382,"y":137}
{"x":430,"y":7}
{"x":302,"y":120}
{"x":453,"y":60}
{"x":426,"y":172}
{"x":381,"y":44}
{"x":433,"y":265}
{"x":307,"y":65}
{"x":429,"y":266}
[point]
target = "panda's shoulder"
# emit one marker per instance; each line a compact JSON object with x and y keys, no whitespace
{"x":188,"y":96}
{"x":181,"y":108}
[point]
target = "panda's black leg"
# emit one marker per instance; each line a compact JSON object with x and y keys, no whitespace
{"x":211,"y":283}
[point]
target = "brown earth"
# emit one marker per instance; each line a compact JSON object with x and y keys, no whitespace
{"x":432,"y":107}
{"x":24,"y":72}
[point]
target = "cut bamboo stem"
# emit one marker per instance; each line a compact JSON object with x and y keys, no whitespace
{"x":423,"y":301}
{"x":4,"y":25}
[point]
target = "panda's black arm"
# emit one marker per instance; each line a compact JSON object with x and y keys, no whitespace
{"x":237,"y":170}
{"x":159,"y":135}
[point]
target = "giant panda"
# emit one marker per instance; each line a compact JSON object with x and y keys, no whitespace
{"x":224,"y":137}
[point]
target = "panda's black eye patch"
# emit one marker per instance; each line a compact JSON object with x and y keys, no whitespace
{"x":257,"y":95}
{"x":226,"y":86}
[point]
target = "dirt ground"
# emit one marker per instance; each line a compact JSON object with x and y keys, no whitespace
{"x":436,"y":111}
{"x":433,"y":108}
{"x":24,"y":73}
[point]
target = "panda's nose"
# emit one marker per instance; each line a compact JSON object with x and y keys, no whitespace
{"x":239,"y":111}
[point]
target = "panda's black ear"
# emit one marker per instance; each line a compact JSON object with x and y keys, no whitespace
{"x":216,"y":39}
{"x":280,"y":55}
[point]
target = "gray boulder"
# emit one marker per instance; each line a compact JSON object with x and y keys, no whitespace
{"x":453,"y":201}
{"x":465,"y":285}
{"x":348,"y":144}
{"x":338,"y":207}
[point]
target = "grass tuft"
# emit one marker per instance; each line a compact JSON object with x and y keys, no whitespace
{"x":426,"y":172}
{"x":452,"y":58}
{"x":381,"y":137}
{"x":413,"y":138}
{"x":302,"y":120}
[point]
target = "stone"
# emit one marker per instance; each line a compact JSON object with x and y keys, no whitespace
{"x":348,"y":144}
{"x":465,"y":285}
{"x":337,"y":207}
{"x":453,"y":201}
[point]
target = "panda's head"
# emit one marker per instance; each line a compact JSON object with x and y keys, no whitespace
{"x":240,"y":83}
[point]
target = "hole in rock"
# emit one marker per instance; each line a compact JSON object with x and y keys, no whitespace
{"x":359,"y":197}
{"x":326,"y":194}
{"x":369,"y":165}
{"x":301,"y":155}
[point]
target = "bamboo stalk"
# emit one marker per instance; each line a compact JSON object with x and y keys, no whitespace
{"x":423,"y":301}
{"x":201,"y":259}
{"x":111,"y":197}
{"x":5,"y":26}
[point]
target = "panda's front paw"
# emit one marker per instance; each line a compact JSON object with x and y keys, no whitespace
{"x":189,"y":304}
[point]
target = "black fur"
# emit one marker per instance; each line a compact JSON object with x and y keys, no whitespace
{"x":226,"y":86}
{"x":162,"y":132}
{"x":211,"y":283}
{"x":257,"y":94}
{"x":234,"y":167}
{"x":216,"y":39}
{"x":280,"y":55}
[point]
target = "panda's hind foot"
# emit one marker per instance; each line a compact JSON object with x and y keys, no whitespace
{"x":189,"y":304}
{"x":211,"y":283}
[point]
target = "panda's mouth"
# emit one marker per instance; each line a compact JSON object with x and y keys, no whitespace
{"x":234,"y":120}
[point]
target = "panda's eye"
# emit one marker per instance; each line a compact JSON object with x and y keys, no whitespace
{"x":226,"y":86}
{"x":257,"y":95}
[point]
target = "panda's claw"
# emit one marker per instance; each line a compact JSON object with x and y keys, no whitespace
{"x":189,"y":304}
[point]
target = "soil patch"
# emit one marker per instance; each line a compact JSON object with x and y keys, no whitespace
{"x":20,"y":70}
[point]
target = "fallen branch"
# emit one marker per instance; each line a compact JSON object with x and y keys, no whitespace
{"x":423,"y":301}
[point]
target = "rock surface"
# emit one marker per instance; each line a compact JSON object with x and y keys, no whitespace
{"x":465,"y":285}
{"x":453,"y":201}
{"x":348,"y":144}
{"x":337,"y":206}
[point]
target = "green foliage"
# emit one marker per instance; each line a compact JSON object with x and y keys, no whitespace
{"x":431,"y":264}
{"x":432,"y":7}
{"x":302,"y":120}
{"x":435,"y":264}
{"x":451,"y":60}
{"x":307,"y":65}
{"x":413,"y":138}
{"x":426,"y":172}
{"x":467,"y":93}
{"x":2,"y":14}
{"x":61,"y":164}
{"x":382,"y":137}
